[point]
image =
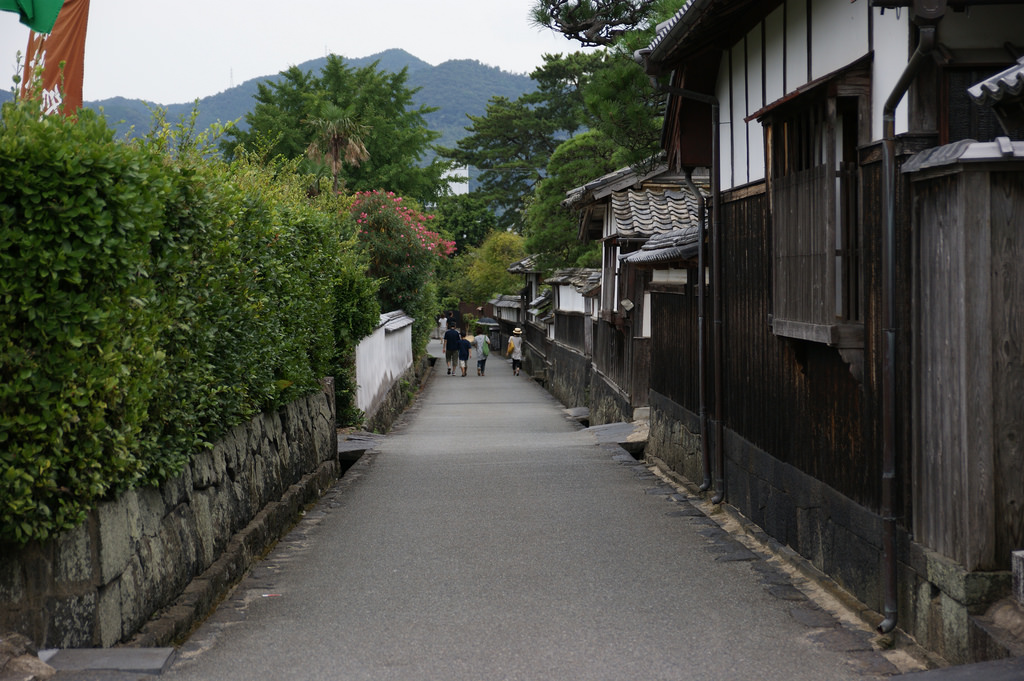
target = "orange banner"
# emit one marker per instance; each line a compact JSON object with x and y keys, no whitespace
{"x":61,"y":87}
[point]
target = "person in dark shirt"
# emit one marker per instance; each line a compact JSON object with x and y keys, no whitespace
{"x":450,"y":347}
{"x":464,"y":346}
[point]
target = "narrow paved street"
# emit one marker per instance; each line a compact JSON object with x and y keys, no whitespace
{"x":490,"y":537}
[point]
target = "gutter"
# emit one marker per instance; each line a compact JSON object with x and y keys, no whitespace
{"x":705,"y":448}
{"x":642,"y":57}
{"x":927,"y":20}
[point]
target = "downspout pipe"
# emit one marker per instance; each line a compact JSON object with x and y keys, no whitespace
{"x":716,"y":230}
{"x":926,"y":44}
{"x":716,"y":293}
{"x":705,"y":447}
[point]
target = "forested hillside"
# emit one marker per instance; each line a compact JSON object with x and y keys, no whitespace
{"x":456,"y":88}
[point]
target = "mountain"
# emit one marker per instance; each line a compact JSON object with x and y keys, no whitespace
{"x":456,"y":88}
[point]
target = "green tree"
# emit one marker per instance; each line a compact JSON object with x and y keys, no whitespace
{"x":488,"y":269}
{"x":552,"y":229}
{"x":592,"y":22}
{"x":561,"y":82}
{"x":453,"y":284}
{"x":337,"y":140}
{"x":403,"y":254}
{"x":623,"y":105}
{"x":466,"y":219}
{"x":509,"y":145}
{"x":396,"y":139}
{"x":618,"y":97}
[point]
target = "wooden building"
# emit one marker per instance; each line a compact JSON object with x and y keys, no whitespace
{"x":623,"y":210}
{"x":571,"y":348}
{"x":846,"y":368}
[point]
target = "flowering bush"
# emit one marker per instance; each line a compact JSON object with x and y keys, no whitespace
{"x":367,"y":206}
{"x":402,"y":253}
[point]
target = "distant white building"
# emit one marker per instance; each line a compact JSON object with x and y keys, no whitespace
{"x":458,"y":180}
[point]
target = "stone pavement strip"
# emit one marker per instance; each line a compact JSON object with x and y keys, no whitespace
{"x":138,"y":661}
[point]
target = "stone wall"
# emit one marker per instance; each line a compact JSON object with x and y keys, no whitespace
{"x":570,"y":376}
{"x":674,"y":437}
{"x":944,"y":607}
{"x":99,"y":584}
{"x":608,"y":404}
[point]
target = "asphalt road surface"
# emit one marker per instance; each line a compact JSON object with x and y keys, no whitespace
{"x":490,"y":537}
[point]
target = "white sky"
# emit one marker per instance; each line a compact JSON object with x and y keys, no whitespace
{"x":174,"y":52}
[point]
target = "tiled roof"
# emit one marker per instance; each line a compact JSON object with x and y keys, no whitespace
{"x":1007,"y":84}
{"x":677,"y":244}
{"x":601,"y":187}
{"x":540,"y":300}
{"x":524,"y":266}
{"x":646,"y":212}
{"x":577,"y":277}
{"x":394,"y":321}
{"x":699,"y":26}
{"x":664,"y":28}
{"x":965,"y":151}
{"x":505,"y":300}
{"x":540,"y":303}
{"x":592,"y":286}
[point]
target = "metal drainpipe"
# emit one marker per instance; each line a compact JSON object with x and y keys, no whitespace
{"x":716,"y":297}
{"x":925,"y":45}
{"x":705,"y":449}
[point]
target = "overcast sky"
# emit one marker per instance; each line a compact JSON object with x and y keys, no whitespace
{"x":174,"y":52}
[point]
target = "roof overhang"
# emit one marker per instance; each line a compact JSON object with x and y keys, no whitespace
{"x":701,"y":26}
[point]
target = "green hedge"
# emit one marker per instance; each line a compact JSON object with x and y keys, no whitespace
{"x":149,"y":300}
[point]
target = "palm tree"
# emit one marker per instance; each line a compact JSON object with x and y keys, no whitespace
{"x":337,"y":140}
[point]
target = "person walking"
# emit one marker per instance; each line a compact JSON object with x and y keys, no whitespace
{"x":442,"y":326}
{"x":515,"y":350}
{"x":483,"y":348}
{"x":465,"y":346}
{"x":450,"y":347}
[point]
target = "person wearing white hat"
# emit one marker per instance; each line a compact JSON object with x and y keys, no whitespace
{"x":515,"y":350}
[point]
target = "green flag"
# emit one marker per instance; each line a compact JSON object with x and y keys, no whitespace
{"x":39,"y":15}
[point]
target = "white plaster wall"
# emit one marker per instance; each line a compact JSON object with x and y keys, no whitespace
{"x":669,"y":276}
{"x":645,"y":327}
{"x":797,"y":72}
{"x":570,"y":300}
{"x":725,"y":124}
{"x":840,"y":32}
{"x":775,"y":49}
{"x":755,"y":102}
{"x":737,"y":112}
{"x":380,"y":359}
{"x":891,"y":42}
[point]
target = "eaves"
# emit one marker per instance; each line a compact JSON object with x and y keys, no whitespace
{"x":702,"y":26}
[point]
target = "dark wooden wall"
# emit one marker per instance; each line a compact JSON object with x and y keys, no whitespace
{"x":570,"y":329}
{"x":640,"y":371}
{"x":675,"y":371}
{"x":968,"y":409}
{"x":610,"y":353}
{"x":796,"y":400}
